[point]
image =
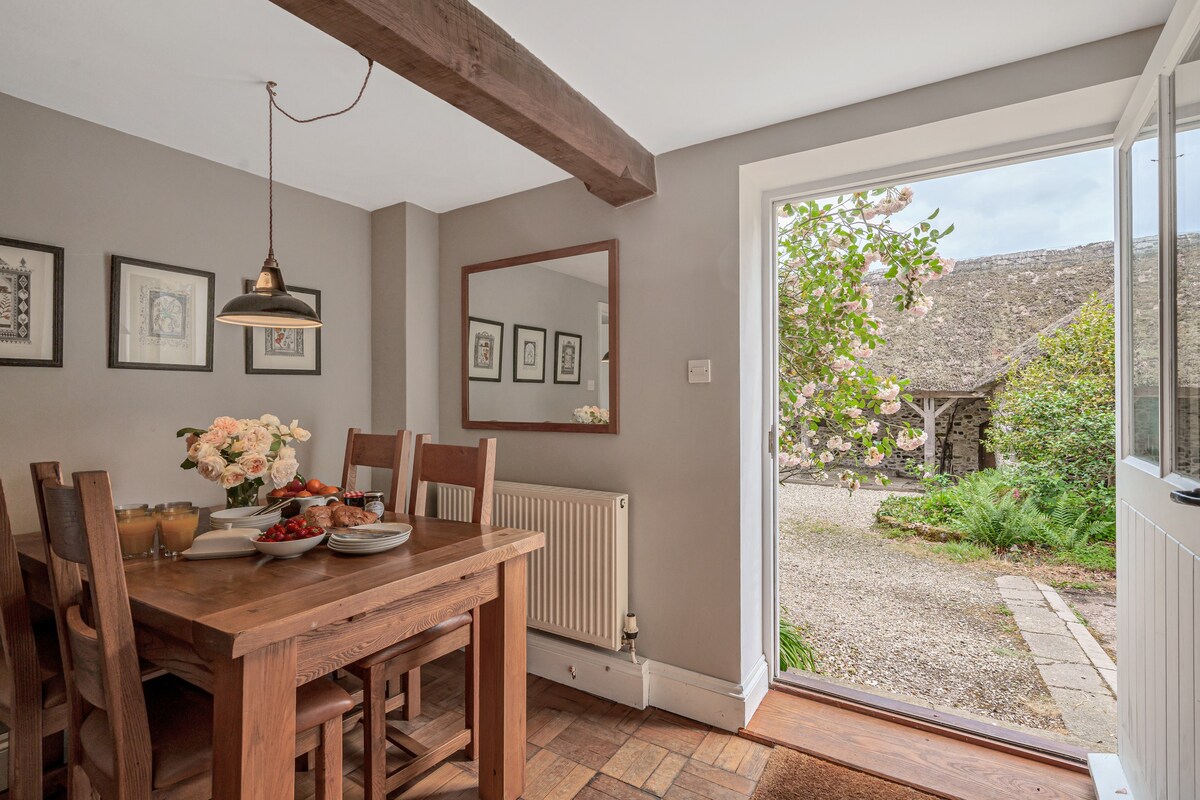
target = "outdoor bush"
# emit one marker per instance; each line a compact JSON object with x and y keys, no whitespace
{"x":1057,"y":411}
{"x":794,"y":650}
{"x":991,"y":512}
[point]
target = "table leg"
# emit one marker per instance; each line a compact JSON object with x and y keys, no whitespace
{"x":254,"y":725}
{"x":502,"y":687}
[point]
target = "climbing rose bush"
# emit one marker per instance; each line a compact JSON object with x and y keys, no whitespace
{"x":834,"y":409}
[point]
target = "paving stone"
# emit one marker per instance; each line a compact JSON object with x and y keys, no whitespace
{"x":1110,"y":677}
{"x":1091,"y":647}
{"x":1092,"y":718}
{"x":1055,"y":648}
{"x":1022,"y":594}
{"x":1037,"y":620}
{"x":1055,"y":600}
{"x":1082,"y":677}
{"x":1015,"y":582}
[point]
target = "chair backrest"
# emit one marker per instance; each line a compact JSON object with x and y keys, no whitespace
{"x":66,"y":583}
{"x":382,"y":451}
{"x":454,"y":464}
{"x":16,"y":630}
{"x":105,"y":673}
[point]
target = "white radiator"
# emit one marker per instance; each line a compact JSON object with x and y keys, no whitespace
{"x":578,"y":583}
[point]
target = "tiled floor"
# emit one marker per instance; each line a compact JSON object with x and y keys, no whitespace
{"x":579,"y":746}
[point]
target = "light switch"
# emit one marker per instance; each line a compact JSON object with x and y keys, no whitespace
{"x":700,"y":371}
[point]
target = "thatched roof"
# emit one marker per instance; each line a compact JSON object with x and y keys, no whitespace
{"x":986,"y":312}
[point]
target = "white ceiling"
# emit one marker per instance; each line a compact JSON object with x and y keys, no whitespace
{"x":189,"y":73}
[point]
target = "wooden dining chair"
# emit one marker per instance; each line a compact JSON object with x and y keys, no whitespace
{"x":382,"y":451}
{"x":136,"y":741}
{"x":33,"y":698}
{"x":401,"y":663}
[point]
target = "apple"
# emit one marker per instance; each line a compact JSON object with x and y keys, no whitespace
{"x":295,"y":486}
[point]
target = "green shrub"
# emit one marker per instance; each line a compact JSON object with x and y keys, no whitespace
{"x":991,"y":512}
{"x":795,"y":652}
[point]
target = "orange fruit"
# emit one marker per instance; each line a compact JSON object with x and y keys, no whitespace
{"x":327,"y":490}
{"x":314,"y":485}
{"x":304,"y":494}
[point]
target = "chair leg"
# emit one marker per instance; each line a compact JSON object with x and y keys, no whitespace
{"x":374,"y":733}
{"x":472,"y":689}
{"x":329,"y":761}
{"x":412,"y":693}
{"x":25,"y":758}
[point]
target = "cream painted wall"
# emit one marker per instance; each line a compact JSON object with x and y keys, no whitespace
{"x":692,"y":457}
{"x":96,"y":192}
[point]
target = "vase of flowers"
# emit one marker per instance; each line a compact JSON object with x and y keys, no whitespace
{"x":591,"y":415}
{"x":242,"y":454}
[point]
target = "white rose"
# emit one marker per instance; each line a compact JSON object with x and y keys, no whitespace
{"x":286,"y":453}
{"x":300,"y":434}
{"x":255,"y":464}
{"x":234,"y":475}
{"x":256,"y":440}
{"x":283,"y":471}
{"x":215,"y":437}
{"x":269,"y":419}
{"x":210,"y":467}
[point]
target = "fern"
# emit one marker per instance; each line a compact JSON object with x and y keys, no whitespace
{"x":794,"y":651}
{"x":991,"y":513}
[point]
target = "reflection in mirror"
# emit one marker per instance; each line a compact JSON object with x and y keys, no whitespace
{"x":1187,"y":264}
{"x":540,"y":343}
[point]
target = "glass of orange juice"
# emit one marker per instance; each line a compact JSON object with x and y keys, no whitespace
{"x":135,"y":529}
{"x":177,"y":524}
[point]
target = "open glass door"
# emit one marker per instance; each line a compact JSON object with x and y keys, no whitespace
{"x":1158,"y":419}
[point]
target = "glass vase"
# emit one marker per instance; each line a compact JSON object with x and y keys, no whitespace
{"x":242,"y":496}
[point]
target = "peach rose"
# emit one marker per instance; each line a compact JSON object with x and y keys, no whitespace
{"x":256,"y":440}
{"x":199,"y":451}
{"x":227,"y":424}
{"x":255,"y":464}
{"x":215,"y":437}
{"x":234,"y":475}
{"x":210,"y":467}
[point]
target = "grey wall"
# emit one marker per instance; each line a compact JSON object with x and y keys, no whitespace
{"x":541,"y":298}
{"x":404,"y":319}
{"x":97,"y":192}
{"x":682,"y":298}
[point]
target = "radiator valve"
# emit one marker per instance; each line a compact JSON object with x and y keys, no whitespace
{"x":629,"y":635}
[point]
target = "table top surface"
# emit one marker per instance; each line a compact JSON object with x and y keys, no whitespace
{"x":234,"y":605}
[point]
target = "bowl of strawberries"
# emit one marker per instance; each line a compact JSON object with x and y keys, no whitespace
{"x":289,"y":539}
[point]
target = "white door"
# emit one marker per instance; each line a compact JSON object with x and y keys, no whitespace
{"x":1158,"y":419}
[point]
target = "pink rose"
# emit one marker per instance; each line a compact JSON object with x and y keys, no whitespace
{"x":215,"y":437}
{"x":256,"y":440}
{"x":232,"y":476}
{"x":255,"y":464}
{"x":227,"y":424}
{"x":210,"y":467}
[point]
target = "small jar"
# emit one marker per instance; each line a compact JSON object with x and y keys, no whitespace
{"x":356,"y":499}
{"x":177,"y":524}
{"x":136,"y":527}
{"x":373,"y":502}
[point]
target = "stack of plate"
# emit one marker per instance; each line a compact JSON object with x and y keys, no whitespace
{"x":243,"y":518}
{"x":366,"y":539}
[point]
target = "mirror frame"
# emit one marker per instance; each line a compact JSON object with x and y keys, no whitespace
{"x":614,"y":348}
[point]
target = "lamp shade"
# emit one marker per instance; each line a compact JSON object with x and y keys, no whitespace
{"x":268,"y":304}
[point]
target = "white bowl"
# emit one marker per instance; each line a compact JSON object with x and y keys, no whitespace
{"x":241,"y":518}
{"x":304,"y":502}
{"x":290,"y":549}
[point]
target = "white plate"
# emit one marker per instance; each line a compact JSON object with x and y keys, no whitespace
{"x":225,"y":543}
{"x":373,"y":547}
{"x":396,"y":528}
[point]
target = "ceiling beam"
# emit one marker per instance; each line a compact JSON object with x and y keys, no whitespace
{"x":454,"y":51}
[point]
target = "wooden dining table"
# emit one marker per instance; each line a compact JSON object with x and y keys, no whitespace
{"x":251,"y":629}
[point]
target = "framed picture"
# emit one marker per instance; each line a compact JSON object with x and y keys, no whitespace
{"x":486,"y":340}
{"x":31,"y":304}
{"x":567,"y":348}
{"x":160,"y":316}
{"x":285,"y":351}
{"x":529,"y":354}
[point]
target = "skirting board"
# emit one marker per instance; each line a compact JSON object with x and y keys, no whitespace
{"x":1109,"y":777}
{"x":713,"y":701}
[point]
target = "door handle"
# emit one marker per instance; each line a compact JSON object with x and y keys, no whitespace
{"x":1190,"y":497}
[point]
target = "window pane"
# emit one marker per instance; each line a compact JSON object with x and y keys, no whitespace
{"x":1187,"y":269}
{"x":1144,"y":338}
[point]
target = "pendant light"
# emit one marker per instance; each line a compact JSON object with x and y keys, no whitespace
{"x":268,"y":304}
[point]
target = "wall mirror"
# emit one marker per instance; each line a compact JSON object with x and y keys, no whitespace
{"x":539,"y":341}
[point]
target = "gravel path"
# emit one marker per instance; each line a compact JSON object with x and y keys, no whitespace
{"x":886,"y":619}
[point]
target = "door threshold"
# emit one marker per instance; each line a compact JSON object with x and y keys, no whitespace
{"x":990,"y":735}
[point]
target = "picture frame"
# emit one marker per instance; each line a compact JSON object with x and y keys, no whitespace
{"x":160,"y":316}
{"x":31,"y":304}
{"x":529,"y":354}
{"x":568,"y":347}
{"x":485,"y":344}
{"x":285,"y":351}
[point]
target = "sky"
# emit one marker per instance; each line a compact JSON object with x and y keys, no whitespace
{"x":1050,"y":203}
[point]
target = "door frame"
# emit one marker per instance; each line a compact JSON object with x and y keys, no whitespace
{"x":1029,"y":745}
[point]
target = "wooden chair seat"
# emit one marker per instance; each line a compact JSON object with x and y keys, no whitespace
{"x":410,"y":644}
{"x":181,"y":728}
